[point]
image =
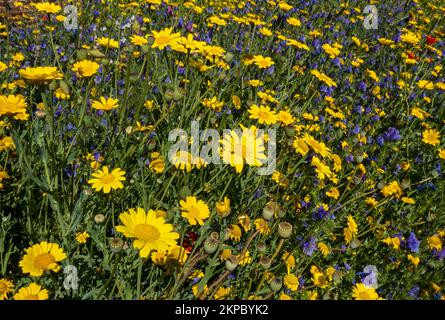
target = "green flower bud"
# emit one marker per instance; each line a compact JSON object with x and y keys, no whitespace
{"x":231,"y":263}
{"x":116,"y":244}
{"x":276,"y":284}
{"x":284,"y":230}
{"x":261,"y":247}
{"x":265,"y":262}
{"x":168,"y":95}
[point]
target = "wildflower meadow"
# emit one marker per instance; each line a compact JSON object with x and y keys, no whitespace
{"x":223,"y":150}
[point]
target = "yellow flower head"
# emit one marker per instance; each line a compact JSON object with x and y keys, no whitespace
{"x":82,"y":237}
{"x":42,"y":257}
{"x":105,"y":104}
{"x":106,"y":180}
{"x":362,"y":292}
{"x":164,"y":38}
{"x":194,"y":210}
{"x":32,"y":292}
{"x":40,"y":74}
{"x":85,"y":68}
{"x":13,"y":105}
{"x":150,"y":232}
{"x":6,"y":287}
{"x":47,"y":7}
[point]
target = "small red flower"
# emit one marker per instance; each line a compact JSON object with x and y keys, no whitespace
{"x":431,"y":40}
{"x":411,"y":55}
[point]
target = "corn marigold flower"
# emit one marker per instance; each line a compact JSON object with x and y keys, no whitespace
{"x":47,"y":7}
{"x":138,"y":40}
{"x":3,"y":66}
{"x":362,"y":292}
{"x":106,"y":180}
{"x":431,"y":136}
{"x":6,"y":287}
{"x":82,"y":237}
{"x":107,"y":43}
{"x":194,"y":210}
{"x":31,"y":292}
{"x":42,"y":257}
{"x":263,"y":62}
{"x":164,"y":38}
{"x":324,"y":78}
{"x":85,"y":68}
{"x":105,"y":104}
{"x":263,"y":114}
{"x":291,"y":282}
{"x":150,"y":232}
{"x":40,"y":74}
{"x":13,"y":105}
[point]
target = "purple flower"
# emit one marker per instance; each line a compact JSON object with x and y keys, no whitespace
{"x":309,"y":247}
{"x":413,"y":243}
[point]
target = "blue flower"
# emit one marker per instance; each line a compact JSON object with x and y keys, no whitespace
{"x":413,"y":243}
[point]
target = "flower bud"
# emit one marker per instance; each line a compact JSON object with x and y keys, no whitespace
{"x":276,"y":284}
{"x":211,"y":245}
{"x":231,"y":263}
{"x":261,"y":247}
{"x":116,"y":244}
{"x":269,"y":210}
{"x":96,"y":53}
{"x":284,"y":230}
{"x":168,"y":95}
{"x":99,"y":218}
{"x":265,"y":262}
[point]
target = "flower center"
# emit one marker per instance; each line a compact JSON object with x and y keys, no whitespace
{"x":163,"y":39}
{"x":107,"y":178}
{"x":42,"y":261}
{"x":3,"y":288}
{"x":363,"y":295}
{"x":194,"y":212}
{"x":147,"y":232}
{"x":32,"y":297}
{"x":263,"y":115}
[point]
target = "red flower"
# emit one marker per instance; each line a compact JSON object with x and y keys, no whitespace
{"x":431,"y":40}
{"x":411,"y":55}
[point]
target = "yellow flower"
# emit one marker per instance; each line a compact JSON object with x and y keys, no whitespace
{"x":85,"y":68}
{"x":47,"y":7}
{"x":333,"y":193}
{"x":223,"y":207}
{"x":425,"y":84}
{"x":262,"y":225}
{"x":324,"y":249}
{"x":291,"y":282}
{"x":164,"y":38}
{"x":157,"y":165}
{"x":300,"y":146}
{"x":103,"y":179}
{"x":434,"y":242}
{"x":194,"y":210}
{"x":236,"y":102}
{"x":3,"y":66}
{"x":284,"y":296}
{"x":42,"y":257}
{"x":332,"y":51}
{"x":408,"y":200}
{"x":324,"y":78}
{"x":221,"y":293}
{"x":177,"y":254}
{"x":431,"y":136}
{"x":245,"y":259}
{"x":40,"y":74}
{"x":394,"y":242}
{"x":213,"y":104}
{"x":6,"y":287}
{"x":235,"y":232}
{"x":159,"y":257}
{"x":289,"y":261}
{"x":415,"y":260}
{"x":410,"y":37}
{"x":13,"y":105}
{"x":150,"y":232}
{"x":138,"y":40}
{"x":294,"y":22}
{"x":245,"y":148}
{"x":263,"y":114}
{"x":225,"y":253}
{"x":263,"y":62}
{"x":442,"y":154}
{"x":393,"y":188}
{"x":107,"y":43}
{"x":82,"y":237}
{"x":32,"y":292}
{"x":362,"y":292}
{"x":105,"y":104}
{"x":285,"y":117}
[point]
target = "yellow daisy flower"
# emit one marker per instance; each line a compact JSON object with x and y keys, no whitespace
{"x":106,"y":180}
{"x":42,"y":257}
